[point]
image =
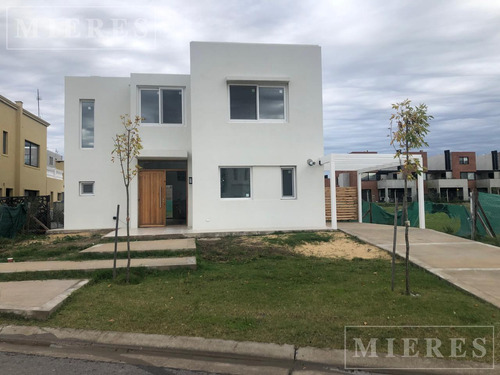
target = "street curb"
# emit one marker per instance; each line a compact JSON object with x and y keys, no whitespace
{"x":141,"y":341}
{"x":306,"y":360}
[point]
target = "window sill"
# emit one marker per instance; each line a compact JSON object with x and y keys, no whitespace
{"x":153,"y":125}
{"x":230,"y":121}
{"x":32,"y":166}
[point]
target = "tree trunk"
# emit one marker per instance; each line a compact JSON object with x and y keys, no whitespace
{"x":128,"y":235}
{"x":394,"y":245}
{"x":407,"y":240}
{"x":116,"y":240}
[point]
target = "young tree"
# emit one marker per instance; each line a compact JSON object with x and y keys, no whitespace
{"x":127,"y":146}
{"x":409,"y":126}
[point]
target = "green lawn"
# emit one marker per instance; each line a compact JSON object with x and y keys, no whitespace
{"x":263,"y":291}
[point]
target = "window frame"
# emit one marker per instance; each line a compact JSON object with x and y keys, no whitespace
{"x":5,"y":142}
{"x":463,"y":160}
{"x":160,"y":105}
{"x":82,"y":193}
{"x":250,"y":178}
{"x":467,"y":175}
{"x":31,"y":153}
{"x":81,"y":125}
{"x":281,"y":85}
{"x":294,"y":183}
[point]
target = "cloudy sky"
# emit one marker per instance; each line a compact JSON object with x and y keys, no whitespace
{"x":444,"y":53}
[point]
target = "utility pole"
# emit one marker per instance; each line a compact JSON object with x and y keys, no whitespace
{"x":38,"y":98}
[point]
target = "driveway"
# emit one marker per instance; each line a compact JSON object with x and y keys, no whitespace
{"x":470,"y":265}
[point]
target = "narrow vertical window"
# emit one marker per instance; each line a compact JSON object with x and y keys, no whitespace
{"x":87,"y":120}
{"x":5,"y":143}
{"x":288,"y":182}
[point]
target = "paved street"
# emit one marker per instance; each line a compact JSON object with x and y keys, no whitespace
{"x":29,"y":364}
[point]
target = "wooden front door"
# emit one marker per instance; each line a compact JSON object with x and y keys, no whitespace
{"x":152,"y":198}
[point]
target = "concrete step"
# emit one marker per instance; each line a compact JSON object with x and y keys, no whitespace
{"x":157,"y":245}
{"x":92,"y":265}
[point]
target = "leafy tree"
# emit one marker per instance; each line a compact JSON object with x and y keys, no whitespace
{"x":409,"y":126}
{"x":127,"y":146}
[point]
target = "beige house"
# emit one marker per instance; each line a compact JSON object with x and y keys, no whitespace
{"x":24,"y":165}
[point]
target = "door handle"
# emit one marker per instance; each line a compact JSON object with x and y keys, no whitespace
{"x":160,"y":196}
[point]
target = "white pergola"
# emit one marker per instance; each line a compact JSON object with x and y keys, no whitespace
{"x":362,"y":163}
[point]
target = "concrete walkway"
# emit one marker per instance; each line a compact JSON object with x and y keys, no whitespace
{"x":36,"y":298}
{"x":158,"y":245}
{"x":92,"y":265}
{"x":472,"y":266}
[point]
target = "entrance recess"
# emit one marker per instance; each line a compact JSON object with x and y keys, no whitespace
{"x":162,"y":192}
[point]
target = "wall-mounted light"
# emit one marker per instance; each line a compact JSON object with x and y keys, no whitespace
{"x":190,"y":180}
{"x":310,"y":162}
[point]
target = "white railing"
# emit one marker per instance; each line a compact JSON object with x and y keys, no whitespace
{"x":54,"y":173}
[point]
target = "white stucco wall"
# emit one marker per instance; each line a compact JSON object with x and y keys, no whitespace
{"x":112,"y":99}
{"x":217,"y":141}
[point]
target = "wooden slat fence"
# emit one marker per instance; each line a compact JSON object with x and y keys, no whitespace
{"x":347,"y":203}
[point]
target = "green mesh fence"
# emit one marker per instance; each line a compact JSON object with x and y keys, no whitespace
{"x":489,"y":202}
{"x":381,"y":216}
{"x":491,"y":206}
{"x":12,"y":220}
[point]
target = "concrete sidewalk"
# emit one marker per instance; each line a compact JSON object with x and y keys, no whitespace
{"x":157,"y":245}
{"x":92,"y":265}
{"x":470,"y":265}
{"x":36,"y":299}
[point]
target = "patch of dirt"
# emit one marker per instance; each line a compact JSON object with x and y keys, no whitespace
{"x":341,"y":246}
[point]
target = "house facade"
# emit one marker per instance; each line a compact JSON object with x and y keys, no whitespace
{"x":224,"y":148}
{"x":23,"y":154}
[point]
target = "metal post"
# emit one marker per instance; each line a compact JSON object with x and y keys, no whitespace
{"x":421,"y":202}
{"x":333,"y":193}
{"x":360,"y":205}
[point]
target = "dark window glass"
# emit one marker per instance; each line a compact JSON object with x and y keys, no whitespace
{"x":149,"y":106}
{"x":172,"y":106}
{"x":235,"y":182}
{"x":87,"y":187}
{"x":243,"y":102}
{"x":287,"y":182}
{"x":87,"y":123}
{"x":31,"y":154}
{"x":463,"y":160}
{"x":271,"y":103}
{"x":5,"y":141}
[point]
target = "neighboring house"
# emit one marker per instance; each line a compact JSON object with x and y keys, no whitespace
{"x":452,"y":175}
{"x":23,"y":154}
{"x":55,"y":176}
{"x":381,"y":185}
{"x":449,"y":176}
{"x":225,"y":148}
{"x":488,"y":173}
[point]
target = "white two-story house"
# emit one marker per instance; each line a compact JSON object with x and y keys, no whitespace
{"x":224,"y":148}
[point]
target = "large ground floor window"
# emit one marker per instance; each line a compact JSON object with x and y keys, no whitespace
{"x":235,"y":183}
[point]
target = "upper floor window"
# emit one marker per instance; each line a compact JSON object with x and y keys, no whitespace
{"x":463,"y":160}
{"x":5,"y":143}
{"x":87,"y":121}
{"x":31,"y":153}
{"x":467,"y":175}
{"x":161,"y":106}
{"x":370,"y":176}
{"x":256,"y":102}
